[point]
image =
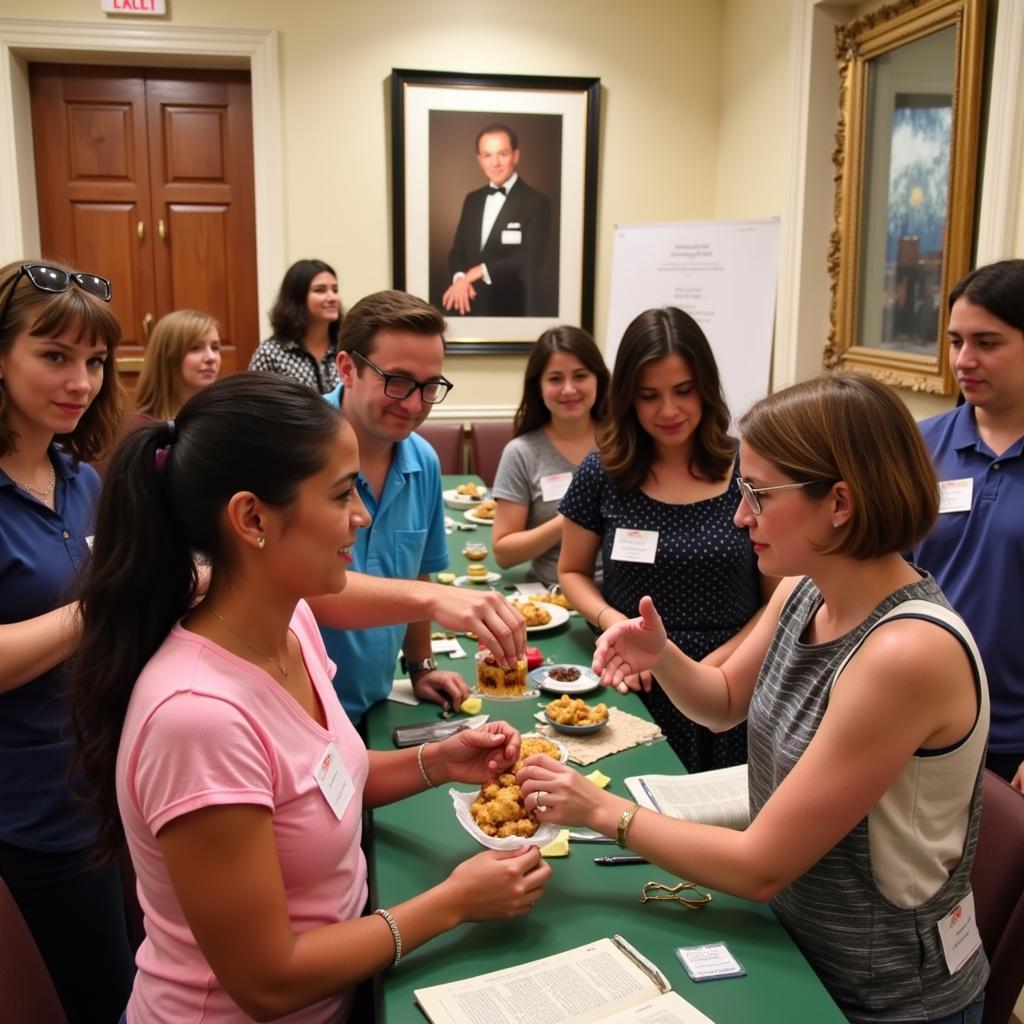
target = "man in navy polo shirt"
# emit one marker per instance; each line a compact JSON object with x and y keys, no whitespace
{"x":976,"y":548}
{"x":391,"y":351}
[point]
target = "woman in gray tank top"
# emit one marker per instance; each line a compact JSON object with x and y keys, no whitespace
{"x":867,"y":713}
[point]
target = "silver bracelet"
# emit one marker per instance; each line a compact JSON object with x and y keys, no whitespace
{"x":395,"y":934}
{"x":423,"y":767}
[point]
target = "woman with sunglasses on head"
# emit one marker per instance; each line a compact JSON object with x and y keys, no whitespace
{"x":182,"y":358}
{"x":306,"y":319}
{"x":564,"y":398}
{"x":211,"y":735}
{"x":59,"y":408}
{"x":867,"y":714}
{"x":665,"y":466}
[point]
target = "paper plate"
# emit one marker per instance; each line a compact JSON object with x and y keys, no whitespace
{"x":464,"y":801}
{"x":469,"y":581}
{"x":471,"y":515}
{"x":559,"y":616}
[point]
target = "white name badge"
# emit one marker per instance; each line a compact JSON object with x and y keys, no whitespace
{"x":334,"y":780}
{"x":510,"y":237}
{"x":634,"y":545}
{"x":956,"y":495}
{"x":553,"y":487}
{"x":958,"y":931}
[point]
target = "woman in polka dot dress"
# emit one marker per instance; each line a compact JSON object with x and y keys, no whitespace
{"x":306,"y":319}
{"x":657,"y":500}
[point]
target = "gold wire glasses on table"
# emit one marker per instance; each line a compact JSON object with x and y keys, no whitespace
{"x":653,"y":891}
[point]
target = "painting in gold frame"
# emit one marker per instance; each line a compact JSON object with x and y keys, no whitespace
{"x":905,"y":166}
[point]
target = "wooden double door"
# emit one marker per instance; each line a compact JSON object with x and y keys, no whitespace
{"x":144,"y":176}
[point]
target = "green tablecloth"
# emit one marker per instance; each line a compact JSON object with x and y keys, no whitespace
{"x":417,"y":842}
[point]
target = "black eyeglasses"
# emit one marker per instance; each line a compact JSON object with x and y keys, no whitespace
{"x":397,"y":385}
{"x":45,"y":278}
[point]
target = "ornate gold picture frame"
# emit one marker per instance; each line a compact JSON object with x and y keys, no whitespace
{"x":905,"y":166}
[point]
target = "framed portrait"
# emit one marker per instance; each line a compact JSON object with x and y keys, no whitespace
{"x":494,"y":200}
{"x":906,"y":164}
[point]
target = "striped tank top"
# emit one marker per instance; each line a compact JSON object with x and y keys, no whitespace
{"x":865,"y":915}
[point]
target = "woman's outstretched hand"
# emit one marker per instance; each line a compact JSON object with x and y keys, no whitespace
{"x":630,"y":648}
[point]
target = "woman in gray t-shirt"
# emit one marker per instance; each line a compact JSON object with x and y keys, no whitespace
{"x":564,"y":396}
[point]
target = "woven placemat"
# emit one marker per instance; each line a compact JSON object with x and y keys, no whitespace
{"x":622,"y":732}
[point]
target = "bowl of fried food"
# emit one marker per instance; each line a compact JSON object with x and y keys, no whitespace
{"x":555,"y":597}
{"x":574,"y":716}
{"x":496,"y":816}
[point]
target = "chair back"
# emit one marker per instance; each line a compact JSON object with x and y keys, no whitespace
{"x":446,"y":438}
{"x":997,"y":877}
{"x":27,"y":995}
{"x":487,"y":440}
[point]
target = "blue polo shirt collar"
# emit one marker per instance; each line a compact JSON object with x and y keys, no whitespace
{"x":966,"y":435}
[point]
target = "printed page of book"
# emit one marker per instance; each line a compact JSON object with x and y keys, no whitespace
{"x":581,"y":986}
{"x":718,"y":797}
{"x":671,"y":1008}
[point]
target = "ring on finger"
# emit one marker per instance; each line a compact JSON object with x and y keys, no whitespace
{"x":540,"y":806}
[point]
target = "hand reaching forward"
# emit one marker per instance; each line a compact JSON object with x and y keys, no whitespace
{"x":630,"y":648}
{"x":473,"y":755}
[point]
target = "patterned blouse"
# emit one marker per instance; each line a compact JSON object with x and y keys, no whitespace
{"x":290,"y":358}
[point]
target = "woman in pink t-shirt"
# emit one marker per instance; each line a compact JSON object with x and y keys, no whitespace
{"x":214,"y":742}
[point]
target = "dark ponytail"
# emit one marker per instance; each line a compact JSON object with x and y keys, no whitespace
{"x":161,"y":504}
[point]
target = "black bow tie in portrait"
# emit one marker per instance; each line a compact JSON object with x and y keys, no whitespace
{"x":494,"y":189}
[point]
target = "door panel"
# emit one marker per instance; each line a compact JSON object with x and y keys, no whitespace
{"x":92,"y":176}
{"x":200,"y":143}
{"x":145,"y":176}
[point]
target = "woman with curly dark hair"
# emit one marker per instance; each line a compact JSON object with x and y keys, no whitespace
{"x":656,"y":501}
{"x":60,"y":404}
{"x":306,"y":319}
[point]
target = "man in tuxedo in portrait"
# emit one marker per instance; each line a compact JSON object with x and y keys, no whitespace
{"x":502,"y":238}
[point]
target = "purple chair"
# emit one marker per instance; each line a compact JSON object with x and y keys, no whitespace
{"x":447,"y":439}
{"x":997,"y":877}
{"x":487,"y":440}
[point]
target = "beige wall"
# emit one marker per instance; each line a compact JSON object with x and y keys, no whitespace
{"x":695,"y":122}
{"x":658,"y":61}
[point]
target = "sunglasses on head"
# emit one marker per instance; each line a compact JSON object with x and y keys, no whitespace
{"x":45,"y":278}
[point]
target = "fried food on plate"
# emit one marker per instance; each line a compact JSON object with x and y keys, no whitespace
{"x":573,"y":711}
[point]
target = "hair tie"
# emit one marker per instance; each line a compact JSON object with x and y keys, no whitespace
{"x":172,"y":432}
{"x":160,"y":457}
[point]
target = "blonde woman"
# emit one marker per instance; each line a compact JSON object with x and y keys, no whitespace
{"x":182,"y":358}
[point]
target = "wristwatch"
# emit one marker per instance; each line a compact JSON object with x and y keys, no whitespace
{"x":412,"y":668}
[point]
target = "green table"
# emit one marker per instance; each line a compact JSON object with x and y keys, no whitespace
{"x":417,"y":842}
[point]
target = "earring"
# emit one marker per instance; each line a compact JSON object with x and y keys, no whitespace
{"x":835,"y":526}
{"x":261,"y":542}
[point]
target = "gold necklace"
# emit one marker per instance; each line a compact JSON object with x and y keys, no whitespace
{"x":262,"y":654}
{"x":42,"y":493}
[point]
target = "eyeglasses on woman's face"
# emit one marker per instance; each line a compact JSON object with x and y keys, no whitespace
{"x":752,"y":495}
{"x":397,"y":385}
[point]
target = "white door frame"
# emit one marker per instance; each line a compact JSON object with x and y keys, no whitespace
{"x":22,"y":41}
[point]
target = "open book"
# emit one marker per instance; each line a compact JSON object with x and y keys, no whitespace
{"x":603,"y":982}
{"x":713,"y":798}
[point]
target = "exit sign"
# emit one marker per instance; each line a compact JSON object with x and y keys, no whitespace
{"x":134,"y":6}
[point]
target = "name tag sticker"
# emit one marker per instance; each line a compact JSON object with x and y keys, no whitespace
{"x":553,"y":487}
{"x":634,"y":545}
{"x":956,"y":495}
{"x":334,"y":780}
{"x":511,"y":237}
{"x":704,"y":963}
{"x":958,"y":932}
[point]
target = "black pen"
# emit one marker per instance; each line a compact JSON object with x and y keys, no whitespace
{"x":622,"y":859}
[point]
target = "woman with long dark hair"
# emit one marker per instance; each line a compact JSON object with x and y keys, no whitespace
{"x":60,"y":406}
{"x":306,"y":319}
{"x":211,"y":735}
{"x":564,"y":397}
{"x":867,"y":710}
{"x":656,"y":500}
